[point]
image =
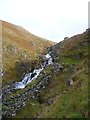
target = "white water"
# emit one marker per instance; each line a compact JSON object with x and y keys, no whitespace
{"x":32,"y":76}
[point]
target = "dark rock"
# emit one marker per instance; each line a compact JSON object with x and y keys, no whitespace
{"x":67,"y":81}
{"x":66,"y":38}
{"x":32,"y":75}
{"x":50,"y":101}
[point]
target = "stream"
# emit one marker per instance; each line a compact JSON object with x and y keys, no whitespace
{"x":34,"y":74}
{"x":12,"y":104}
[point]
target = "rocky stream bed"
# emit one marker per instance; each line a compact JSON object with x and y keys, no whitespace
{"x":11,"y":102}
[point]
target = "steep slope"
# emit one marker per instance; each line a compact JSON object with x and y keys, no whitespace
{"x":19,"y":48}
{"x":61,"y":89}
{"x":66,"y":95}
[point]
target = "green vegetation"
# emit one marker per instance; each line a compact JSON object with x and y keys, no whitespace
{"x":69,"y":104}
{"x":19,"y":49}
{"x":66,"y":102}
{"x":29,"y":111}
{"x":58,"y":99}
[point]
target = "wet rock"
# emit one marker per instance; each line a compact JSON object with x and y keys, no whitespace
{"x":33,"y":97}
{"x":12,"y":107}
{"x":23,"y":104}
{"x":36,"y":90}
{"x":13,"y":114}
{"x":18,"y":106}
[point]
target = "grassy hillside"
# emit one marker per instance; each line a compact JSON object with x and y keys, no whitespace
{"x":55,"y":93}
{"x":19,"y":49}
{"x":69,"y":101}
{"x":60,"y":99}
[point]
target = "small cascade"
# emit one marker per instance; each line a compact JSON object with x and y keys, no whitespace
{"x":34,"y":74}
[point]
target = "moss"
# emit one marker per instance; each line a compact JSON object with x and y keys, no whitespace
{"x":48,"y":70}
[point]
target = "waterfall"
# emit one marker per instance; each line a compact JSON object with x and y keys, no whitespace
{"x":34,"y":74}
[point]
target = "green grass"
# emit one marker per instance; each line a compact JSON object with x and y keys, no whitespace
{"x":19,"y":46}
{"x":29,"y":111}
{"x":70,"y":104}
{"x":73,"y":104}
{"x":69,"y":61}
{"x":67,"y":101}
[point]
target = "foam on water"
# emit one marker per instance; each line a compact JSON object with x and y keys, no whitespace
{"x":33,"y":75}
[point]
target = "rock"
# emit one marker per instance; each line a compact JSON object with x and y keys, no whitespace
{"x":12,"y":107}
{"x":11,"y":97}
{"x":18,"y":95}
{"x":13,"y":114}
{"x":57,"y":67}
{"x":43,"y":87}
{"x":50,"y":101}
{"x":67,"y":81}
{"x":33,"y":97}
{"x":23,"y":104}
{"x":66,"y":38}
{"x":71,"y":82}
{"x":18,"y":106}
{"x":37,"y":90}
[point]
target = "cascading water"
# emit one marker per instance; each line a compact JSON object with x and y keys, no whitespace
{"x":34,"y":74}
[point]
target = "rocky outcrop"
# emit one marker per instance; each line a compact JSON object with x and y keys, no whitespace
{"x":13,"y":103}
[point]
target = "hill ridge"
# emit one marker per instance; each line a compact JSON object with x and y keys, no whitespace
{"x":56,"y":93}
